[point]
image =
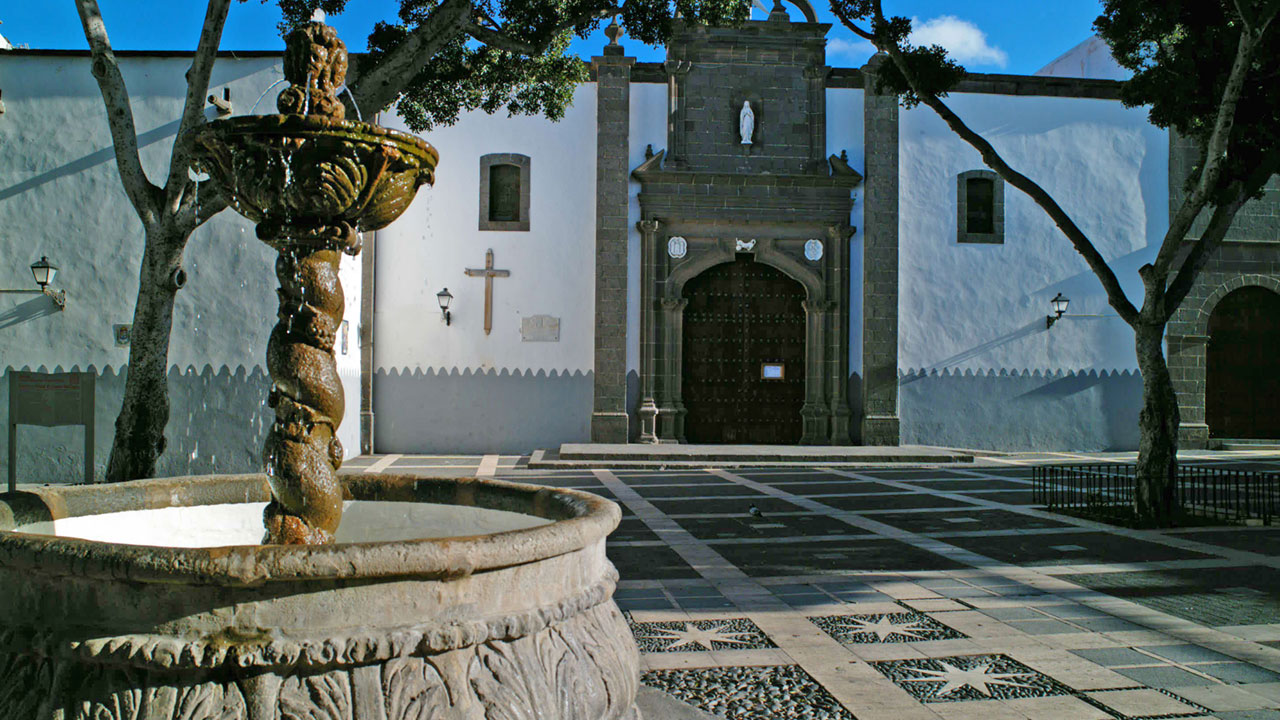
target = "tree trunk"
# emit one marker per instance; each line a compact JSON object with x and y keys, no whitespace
{"x":1155,"y":501}
{"x":139,"y":439}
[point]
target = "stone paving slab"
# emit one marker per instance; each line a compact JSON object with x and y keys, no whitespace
{"x":813,"y":609}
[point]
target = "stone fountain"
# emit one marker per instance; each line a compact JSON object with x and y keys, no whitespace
{"x":436,"y":599}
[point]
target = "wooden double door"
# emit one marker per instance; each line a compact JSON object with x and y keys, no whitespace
{"x":1242,"y":366}
{"x":743,"y":355}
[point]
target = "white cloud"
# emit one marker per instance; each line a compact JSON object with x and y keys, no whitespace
{"x":961,"y":38}
{"x":850,"y":50}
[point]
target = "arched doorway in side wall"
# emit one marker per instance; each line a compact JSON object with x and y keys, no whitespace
{"x":743,"y":369}
{"x":1242,"y":373}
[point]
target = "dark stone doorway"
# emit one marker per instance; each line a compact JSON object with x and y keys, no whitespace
{"x":1242,"y":380}
{"x":744,"y":355}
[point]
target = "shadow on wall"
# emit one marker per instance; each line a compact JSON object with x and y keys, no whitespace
{"x":479,"y":411}
{"x":633,"y":406}
{"x":1021,"y":410}
{"x":30,"y":310}
{"x":217,"y":422}
{"x":855,"y":409}
{"x":79,"y":165}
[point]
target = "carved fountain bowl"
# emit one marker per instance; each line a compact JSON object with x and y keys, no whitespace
{"x":294,"y":168}
{"x":511,"y":624}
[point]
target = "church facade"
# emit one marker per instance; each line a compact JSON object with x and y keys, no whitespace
{"x":849,"y":272}
{"x":742,"y":244}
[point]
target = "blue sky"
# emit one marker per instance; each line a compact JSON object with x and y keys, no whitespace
{"x":1013,"y":36}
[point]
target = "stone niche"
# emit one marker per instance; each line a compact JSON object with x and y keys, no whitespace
{"x":778,"y":66}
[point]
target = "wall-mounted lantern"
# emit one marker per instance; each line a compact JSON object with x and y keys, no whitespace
{"x":444,"y":297}
{"x":44,"y":272}
{"x":1059,"y":308}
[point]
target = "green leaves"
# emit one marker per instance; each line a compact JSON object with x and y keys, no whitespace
{"x":510,"y":54}
{"x":935,"y":74}
{"x":1181,"y":53}
{"x":464,"y":77}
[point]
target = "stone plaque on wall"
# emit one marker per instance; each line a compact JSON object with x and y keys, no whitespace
{"x":540,"y":328}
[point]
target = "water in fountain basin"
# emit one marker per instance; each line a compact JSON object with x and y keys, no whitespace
{"x":241,"y":524}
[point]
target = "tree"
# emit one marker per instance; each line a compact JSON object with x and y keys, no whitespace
{"x":1204,"y":67}
{"x":442,"y":57}
{"x":169,"y":215}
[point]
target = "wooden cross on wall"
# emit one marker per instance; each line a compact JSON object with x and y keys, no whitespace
{"x":488,"y":273}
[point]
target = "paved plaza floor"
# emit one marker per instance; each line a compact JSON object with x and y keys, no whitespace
{"x":898,"y":593}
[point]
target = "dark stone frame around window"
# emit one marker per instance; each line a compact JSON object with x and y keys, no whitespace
{"x":486,"y":165}
{"x":962,"y":208}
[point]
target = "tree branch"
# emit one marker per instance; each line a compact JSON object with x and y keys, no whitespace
{"x":1213,"y":234}
{"x":179,"y":184}
{"x":124,"y":133}
{"x":1215,"y":154}
{"x":502,"y":41}
{"x":493,"y":38}
{"x":1082,"y":244}
{"x":381,"y":86}
{"x":849,"y":23}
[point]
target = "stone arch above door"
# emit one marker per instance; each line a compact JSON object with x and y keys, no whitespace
{"x":724,"y":250}
{"x":1188,"y":338}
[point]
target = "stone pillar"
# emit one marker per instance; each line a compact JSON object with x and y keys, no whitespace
{"x":613,"y":107}
{"x":838,"y":336}
{"x":815,"y":77}
{"x":815,"y":430}
{"x":676,"y":72}
{"x":649,"y":258}
{"x":671,"y":408}
{"x":880,"y":263}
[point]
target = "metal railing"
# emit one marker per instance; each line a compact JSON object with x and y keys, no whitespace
{"x":1203,"y":491}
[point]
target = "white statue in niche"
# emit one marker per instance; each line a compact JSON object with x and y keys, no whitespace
{"x":746,"y":122}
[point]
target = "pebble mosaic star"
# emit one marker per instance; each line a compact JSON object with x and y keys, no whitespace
{"x":977,"y":677}
{"x":884,"y":628}
{"x":692,"y":634}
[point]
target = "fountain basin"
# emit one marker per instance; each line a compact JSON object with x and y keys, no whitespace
{"x":511,"y":624}
{"x":283,"y":168}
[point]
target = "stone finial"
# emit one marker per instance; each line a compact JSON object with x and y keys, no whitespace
{"x":613,"y":31}
{"x":315,"y":64}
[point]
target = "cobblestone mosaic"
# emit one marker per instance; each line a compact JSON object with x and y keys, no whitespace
{"x":969,"y":677}
{"x":779,"y":692}
{"x":884,"y":628}
{"x":699,"y":636}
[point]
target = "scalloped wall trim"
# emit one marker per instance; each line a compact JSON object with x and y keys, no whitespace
{"x":909,"y":373}
{"x":428,"y":372}
{"x":359,"y":646}
{"x":120,"y":369}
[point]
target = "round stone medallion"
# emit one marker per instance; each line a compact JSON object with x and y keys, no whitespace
{"x":677,"y":247}
{"x":813,"y":250}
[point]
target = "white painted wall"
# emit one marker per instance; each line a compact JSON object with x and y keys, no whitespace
{"x":845,"y":122}
{"x":983,"y":307}
{"x":60,"y":196}
{"x":552,"y":265}
{"x":1090,"y":59}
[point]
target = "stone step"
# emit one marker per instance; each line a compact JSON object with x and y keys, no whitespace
{"x":578,"y":456}
{"x":1246,"y":444}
